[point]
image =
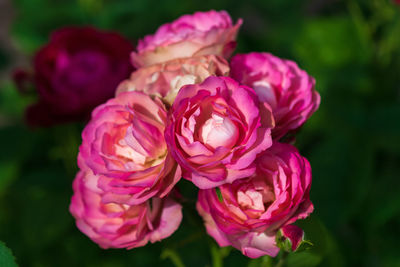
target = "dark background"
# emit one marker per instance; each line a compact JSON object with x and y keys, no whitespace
{"x":352,"y":48}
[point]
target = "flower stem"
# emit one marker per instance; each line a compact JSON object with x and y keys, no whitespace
{"x":282,"y":259}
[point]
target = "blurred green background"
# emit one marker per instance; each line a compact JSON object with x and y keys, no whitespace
{"x":351,"y":47}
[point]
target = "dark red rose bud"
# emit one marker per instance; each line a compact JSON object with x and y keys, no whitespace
{"x":77,"y":70}
{"x":294,"y":234}
{"x":290,"y":238}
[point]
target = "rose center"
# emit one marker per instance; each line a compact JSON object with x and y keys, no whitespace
{"x":140,"y":160}
{"x":124,"y":151}
{"x":219,"y":131}
{"x":255,"y":197}
{"x":82,"y":68}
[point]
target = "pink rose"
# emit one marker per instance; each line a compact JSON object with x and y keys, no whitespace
{"x":124,"y":143}
{"x":113,"y":225}
{"x":216,"y":130}
{"x":203,"y":33}
{"x":77,"y":70}
{"x":248,"y":213}
{"x":280,"y":83}
{"x":165,"y":79}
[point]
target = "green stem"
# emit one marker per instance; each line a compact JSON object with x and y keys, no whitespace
{"x":216,"y":256}
{"x":173,"y":256}
{"x":282,"y":260}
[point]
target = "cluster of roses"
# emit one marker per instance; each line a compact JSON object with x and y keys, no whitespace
{"x":187,"y":112}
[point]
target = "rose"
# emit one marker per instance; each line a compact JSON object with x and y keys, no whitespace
{"x":280,"y":83}
{"x":165,"y":79}
{"x":248,"y":213}
{"x":124,"y":143}
{"x":216,"y":130}
{"x":113,"y":225}
{"x":203,"y":33}
{"x":77,"y":70}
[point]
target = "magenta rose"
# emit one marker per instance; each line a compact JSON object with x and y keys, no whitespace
{"x":124,"y":143}
{"x":280,"y":83}
{"x":248,"y":213}
{"x":113,"y":225}
{"x":203,"y":33}
{"x":216,"y":130}
{"x":166,"y":79}
{"x":78,"y":69}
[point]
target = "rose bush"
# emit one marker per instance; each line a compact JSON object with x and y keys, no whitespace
{"x":113,"y":225}
{"x":77,"y":70}
{"x":216,"y":130}
{"x":124,"y":143}
{"x":165,"y":79}
{"x":248,"y":213}
{"x":280,"y":83}
{"x":203,"y":33}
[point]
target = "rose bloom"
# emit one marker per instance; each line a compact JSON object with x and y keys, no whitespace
{"x":113,"y":225}
{"x":78,"y":69}
{"x":280,"y":83}
{"x":248,"y":213}
{"x":203,"y":33}
{"x":216,"y":130}
{"x":165,"y":79}
{"x":124,"y":143}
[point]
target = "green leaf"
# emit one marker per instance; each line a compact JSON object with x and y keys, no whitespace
{"x":304,"y":245}
{"x":6,"y":257}
{"x":219,"y":194}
